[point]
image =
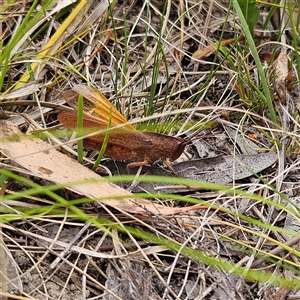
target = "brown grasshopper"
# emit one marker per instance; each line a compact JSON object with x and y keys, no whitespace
{"x":125,"y":143}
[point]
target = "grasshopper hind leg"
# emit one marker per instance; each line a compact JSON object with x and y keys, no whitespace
{"x":146,"y":161}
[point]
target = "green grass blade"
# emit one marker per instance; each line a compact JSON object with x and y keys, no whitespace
{"x":249,"y":38}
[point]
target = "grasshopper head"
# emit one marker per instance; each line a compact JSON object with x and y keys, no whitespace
{"x":179,"y":148}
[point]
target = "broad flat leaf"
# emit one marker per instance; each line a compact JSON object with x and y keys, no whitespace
{"x":224,"y":169}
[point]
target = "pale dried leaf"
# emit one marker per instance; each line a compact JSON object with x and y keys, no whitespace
{"x":224,"y":169}
{"x":281,"y":72}
{"x":27,"y":89}
{"x":210,"y":49}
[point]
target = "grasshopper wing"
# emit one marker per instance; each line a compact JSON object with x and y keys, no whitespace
{"x":96,"y":105}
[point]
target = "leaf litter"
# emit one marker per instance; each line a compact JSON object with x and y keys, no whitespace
{"x":115,"y":264}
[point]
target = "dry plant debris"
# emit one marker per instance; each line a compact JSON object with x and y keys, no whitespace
{"x":174,"y":67}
